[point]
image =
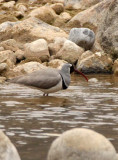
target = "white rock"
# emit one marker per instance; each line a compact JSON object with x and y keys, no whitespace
{"x":82,"y":144}
{"x":37,"y":49}
{"x":7,"y":149}
{"x":70,"y":52}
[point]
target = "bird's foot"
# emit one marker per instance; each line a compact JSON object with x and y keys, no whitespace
{"x":45,"y":94}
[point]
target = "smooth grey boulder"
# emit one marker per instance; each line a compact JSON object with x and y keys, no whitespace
{"x":83,"y":37}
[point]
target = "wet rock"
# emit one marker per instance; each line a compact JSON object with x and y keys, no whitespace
{"x":3,"y":66}
{"x":90,"y":18}
{"x":107,"y":34}
{"x":83,"y":37}
{"x":96,"y":63}
{"x":56,"y":46}
{"x":115,"y":67}
{"x":29,"y":30}
{"x":70,"y":52}
{"x":8,"y":57}
{"x":80,"y":4}
{"x":82,"y":144}
{"x":9,"y":44}
{"x":45,"y":13}
{"x":56,"y":63}
{"x":37,"y":49}
{"x":7,"y":149}
{"x":58,"y":8}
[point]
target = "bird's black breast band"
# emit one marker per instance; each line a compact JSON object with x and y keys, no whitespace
{"x":63,"y":83}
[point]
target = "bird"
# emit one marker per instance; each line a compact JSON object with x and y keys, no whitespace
{"x":48,"y":80}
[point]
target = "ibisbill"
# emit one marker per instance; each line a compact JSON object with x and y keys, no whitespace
{"x":48,"y":80}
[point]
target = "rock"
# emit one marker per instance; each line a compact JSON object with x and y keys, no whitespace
{"x":8,"y":57}
{"x":62,"y":19}
{"x":3,"y":66}
{"x":56,"y":63}
{"x":83,"y":37}
{"x":57,"y":1}
{"x":8,"y":5}
{"x":29,"y":30}
{"x":1,"y":48}
{"x":65,"y":16}
{"x":115,"y":67}
{"x":25,"y":68}
{"x":80,"y":4}
{"x":96,"y":63}
{"x":19,"y":55}
{"x":56,"y":46}
{"x":90,"y":18}
{"x":70,"y":52}
{"x":6,"y":26}
{"x":86,"y":55}
{"x":2,"y":79}
{"x":58,"y":8}
{"x":37,"y":49}
{"x":9,"y":44}
{"x":93,"y":80}
{"x":7,"y":149}
{"x":107,"y":34}
{"x":82,"y":144}
{"x":45,"y":13}
{"x":21,"y":7}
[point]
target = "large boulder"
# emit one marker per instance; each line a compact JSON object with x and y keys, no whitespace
{"x":83,"y":37}
{"x":108,"y":33}
{"x":82,"y":144}
{"x":37,"y":49}
{"x":29,"y":30}
{"x":70,"y":52}
{"x":95,"y":63}
{"x":90,"y":18}
{"x":7,"y":149}
{"x":56,"y":63}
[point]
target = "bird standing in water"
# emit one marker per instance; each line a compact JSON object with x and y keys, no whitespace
{"x":48,"y":80}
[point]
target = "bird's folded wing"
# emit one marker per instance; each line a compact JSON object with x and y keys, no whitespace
{"x":43,"y":79}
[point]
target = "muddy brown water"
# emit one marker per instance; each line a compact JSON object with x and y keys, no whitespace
{"x":32,"y":121}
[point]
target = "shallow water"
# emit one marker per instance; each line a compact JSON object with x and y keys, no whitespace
{"x":32,"y":121}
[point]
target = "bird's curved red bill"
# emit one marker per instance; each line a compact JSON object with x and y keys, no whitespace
{"x":81,"y":74}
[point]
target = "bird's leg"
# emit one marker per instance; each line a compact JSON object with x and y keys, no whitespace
{"x":45,"y":94}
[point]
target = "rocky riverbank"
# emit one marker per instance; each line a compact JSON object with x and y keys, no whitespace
{"x":36,"y":34}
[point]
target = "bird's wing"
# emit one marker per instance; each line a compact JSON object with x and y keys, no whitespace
{"x":42,"y":79}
